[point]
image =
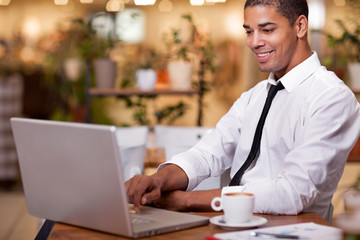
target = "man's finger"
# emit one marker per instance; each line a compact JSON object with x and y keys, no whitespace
{"x":150,"y":196}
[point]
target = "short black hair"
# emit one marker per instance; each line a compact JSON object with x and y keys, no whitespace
{"x":291,"y":9}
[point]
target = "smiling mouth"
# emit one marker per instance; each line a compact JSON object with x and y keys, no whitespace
{"x":264,"y":56}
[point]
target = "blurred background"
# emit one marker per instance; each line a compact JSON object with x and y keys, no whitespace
{"x":50,"y":50}
{"x":48,"y":41}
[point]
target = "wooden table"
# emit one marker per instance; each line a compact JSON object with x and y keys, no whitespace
{"x":63,"y":231}
{"x":153,"y":159}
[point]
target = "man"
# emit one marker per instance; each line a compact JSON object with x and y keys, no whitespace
{"x":308,"y":133}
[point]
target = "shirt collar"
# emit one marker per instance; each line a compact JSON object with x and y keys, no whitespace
{"x":298,"y":74}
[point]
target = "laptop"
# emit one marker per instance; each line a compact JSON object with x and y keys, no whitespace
{"x":72,"y":173}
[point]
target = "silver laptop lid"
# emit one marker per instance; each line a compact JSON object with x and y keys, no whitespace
{"x":72,"y":173}
{"x":65,"y":177}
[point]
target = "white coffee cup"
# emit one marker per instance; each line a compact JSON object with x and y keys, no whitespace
{"x":237,"y":206}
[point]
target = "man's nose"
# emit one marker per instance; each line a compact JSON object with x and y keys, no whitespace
{"x":256,"y":40}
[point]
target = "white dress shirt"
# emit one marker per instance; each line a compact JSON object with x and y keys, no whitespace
{"x":309,"y":131}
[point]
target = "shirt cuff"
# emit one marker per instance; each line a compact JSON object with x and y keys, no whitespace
{"x":187,"y":169}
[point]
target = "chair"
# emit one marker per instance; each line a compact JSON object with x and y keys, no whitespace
{"x":132,"y":147}
{"x":175,"y":139}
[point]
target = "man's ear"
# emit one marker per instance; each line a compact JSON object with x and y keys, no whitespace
{"x":301,"y":25}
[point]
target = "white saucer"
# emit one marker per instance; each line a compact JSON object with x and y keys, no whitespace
{"x":254,"y":222}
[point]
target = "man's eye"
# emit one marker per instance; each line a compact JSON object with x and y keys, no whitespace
{"x":248,"y":32}
{"x":268,"y":30}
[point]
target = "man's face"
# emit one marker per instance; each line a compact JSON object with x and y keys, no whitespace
{"x":271,"y":38}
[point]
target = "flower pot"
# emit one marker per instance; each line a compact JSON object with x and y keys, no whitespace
{"x":354,"y":74}
{"x":349,"y":222}
{"x":146,"y":79}
{"x":105,"y":73}
{"x":73,"y":68}
{"x":180,"y":74}
{"x":352,"y":200}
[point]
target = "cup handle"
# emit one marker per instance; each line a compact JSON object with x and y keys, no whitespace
{"x":213,"y":204}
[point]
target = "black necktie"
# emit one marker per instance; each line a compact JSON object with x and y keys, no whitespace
{"x":255,"y":147}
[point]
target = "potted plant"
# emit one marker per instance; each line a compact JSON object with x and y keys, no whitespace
{"x":96,"y":49}
{"x":179,"y":66}
{"x":77,"y":45}
{"x":348,"y":43}
{"x":80,"y":42}
{"x":146,"y":75}
{"x":349,"y":222}
{"x":185,"y":51}
{"x":352,"y":196}
{"x":141,"y":61}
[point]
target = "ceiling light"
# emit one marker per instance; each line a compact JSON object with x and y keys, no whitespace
{"x":144,"y":2}
{"x":115,"y":5}
{"x":197,"y":2}
{"x":86,"y":1}
{"x":215,"y":1}
{"x":4,"y":2}
{"x":61,"y":2}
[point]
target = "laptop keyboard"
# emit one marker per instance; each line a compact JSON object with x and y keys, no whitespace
{"x":140,"y":220}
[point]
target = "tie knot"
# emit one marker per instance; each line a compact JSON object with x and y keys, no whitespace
{"x":274,"y":89}
{"x":280,"y":86}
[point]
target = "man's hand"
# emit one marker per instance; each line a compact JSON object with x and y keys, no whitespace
{"x":147,"y":189}
{"x":166,"y":189}
{"x":143,"y":190}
